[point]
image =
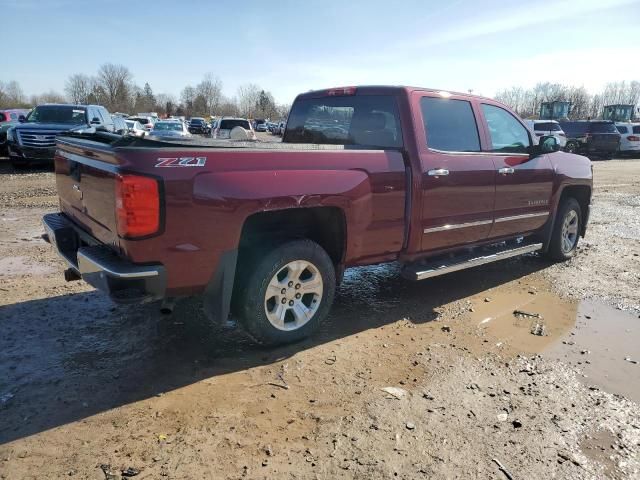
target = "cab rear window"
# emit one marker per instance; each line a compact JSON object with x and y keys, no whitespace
{"x":365,"y":120}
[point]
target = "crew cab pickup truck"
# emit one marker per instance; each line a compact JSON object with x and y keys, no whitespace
{"x":435,"y":180}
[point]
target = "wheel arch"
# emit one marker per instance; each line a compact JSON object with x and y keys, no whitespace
{"x":582,"y":194}
{"x":325,"y":225}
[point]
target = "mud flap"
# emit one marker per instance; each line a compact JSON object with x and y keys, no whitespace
{"x":217,"y":295}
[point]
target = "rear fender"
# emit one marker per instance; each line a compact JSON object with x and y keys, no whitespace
{"x":246,"y":193}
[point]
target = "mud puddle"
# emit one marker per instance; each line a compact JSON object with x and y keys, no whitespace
{"x":606,"y":346}
{"x":526,"y":321}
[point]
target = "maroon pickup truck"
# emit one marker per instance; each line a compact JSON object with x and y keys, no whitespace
{"x":438,"y":181}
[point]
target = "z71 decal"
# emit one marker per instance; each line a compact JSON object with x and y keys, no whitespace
{"x":181,"y":162}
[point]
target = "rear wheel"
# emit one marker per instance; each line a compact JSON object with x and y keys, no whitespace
{"x":287,"y":293}
{"x":566,"y":231}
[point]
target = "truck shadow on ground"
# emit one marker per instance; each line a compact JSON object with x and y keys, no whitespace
{"x":66,"y":358}
{"x":7,"y":169}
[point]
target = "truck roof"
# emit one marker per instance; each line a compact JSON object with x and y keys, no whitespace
{"x":385,"y":90}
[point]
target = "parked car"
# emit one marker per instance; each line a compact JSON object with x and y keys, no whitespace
{"x":280,"y":128}
{"x":135,"y":128}
{"x":33,"y":139}
{"x":146,"y":122}
{"x":598,"y":138}
{"x":119,"y":125}
{"x":629,"y":137}
{"x":260,"y":125}
{"x":548,"y":127}
{"x":199,"y":125}
{"x":12,"y":115}
{"x":227,"y":124}
{"x":169,"y":128}
{"x":274,"y":225}
{"x":4,"y":127}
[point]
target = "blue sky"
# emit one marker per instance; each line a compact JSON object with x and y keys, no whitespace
{"x":293,"y":46}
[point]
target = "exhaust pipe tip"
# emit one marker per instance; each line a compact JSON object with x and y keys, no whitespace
{"x":71,"y":275}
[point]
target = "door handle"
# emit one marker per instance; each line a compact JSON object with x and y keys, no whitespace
{"x":438,"y":172}
{"x":506,"y":171}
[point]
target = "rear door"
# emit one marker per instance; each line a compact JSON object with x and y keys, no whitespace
{"x":458,"y":179}
{"x":523,"y":184}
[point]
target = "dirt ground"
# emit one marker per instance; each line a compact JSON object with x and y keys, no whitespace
{"x":89,"y":389}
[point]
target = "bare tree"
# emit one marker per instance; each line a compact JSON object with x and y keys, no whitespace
{"x":13,"y":96}
{"x":115,"y":81}
{"x":165,"y":104}
{"x":283,"y":111}
{"x":210,"y":88}
{"x":78,"y":88}
{"x":48,"y":97}
{"x":228,"y":107}
{"x":187,"y":96}
{"x":248,"y":97}
{"x":200,"y":106}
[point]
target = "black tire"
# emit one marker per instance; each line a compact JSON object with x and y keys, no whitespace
{"x":251,"y":305}
{"x":558,"y":246}
{"x":571,"y":147}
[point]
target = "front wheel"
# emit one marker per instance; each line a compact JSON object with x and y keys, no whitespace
{"x":287,"y":293}
{"x":566,"y":231}
{"x":571,"y":147}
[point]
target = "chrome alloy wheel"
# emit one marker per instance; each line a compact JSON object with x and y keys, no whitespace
{"x":293,"y":295}
{"x":569,"y":236}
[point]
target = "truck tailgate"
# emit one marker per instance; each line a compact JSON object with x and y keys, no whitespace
{"x":85,"y":179}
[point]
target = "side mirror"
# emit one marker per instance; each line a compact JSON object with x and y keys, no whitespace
{"x":22,"y":119}
{"x":548,"y":144}
{"x":95,"y":120}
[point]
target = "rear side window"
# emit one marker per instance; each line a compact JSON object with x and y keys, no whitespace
{"x":367,"y":120}
{"x":508,"y":135}
{"x":636,"y":129}
{"x":603,"y":127}
{"x":14,"y":116}
{"x":547,"y":127}
{"x":450,"y":125}
{"x":622,"y":129}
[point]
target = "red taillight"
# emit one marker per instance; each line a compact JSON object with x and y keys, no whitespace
{"x":633,"y":138}
{"x":335,"y":92}
{"x":137,"y":206}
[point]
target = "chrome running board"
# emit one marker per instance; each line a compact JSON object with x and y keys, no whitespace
{"x":433,"y":268}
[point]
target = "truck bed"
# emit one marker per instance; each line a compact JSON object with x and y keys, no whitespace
{"x":205,"y":204}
